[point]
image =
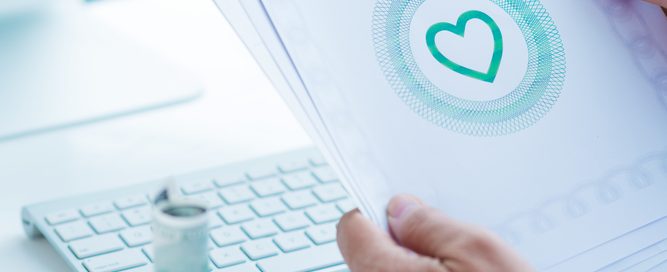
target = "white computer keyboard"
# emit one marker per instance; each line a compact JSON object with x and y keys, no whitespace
{"x":271,"y":214}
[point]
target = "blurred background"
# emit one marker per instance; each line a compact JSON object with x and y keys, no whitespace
{"x":100,"y":94}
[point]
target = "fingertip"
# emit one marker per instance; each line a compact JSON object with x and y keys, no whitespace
{"x":409,"y":197}
{"x":346,"y":220}
{"x":399,"y":204}
{"x":354,"y":234}
{"x":347,"y":227}
{"x":366,"y":247}
{"x":351,"y":213}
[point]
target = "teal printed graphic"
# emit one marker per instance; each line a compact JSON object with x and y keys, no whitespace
{"x":459,"y":29}
{"x":535,"y":95}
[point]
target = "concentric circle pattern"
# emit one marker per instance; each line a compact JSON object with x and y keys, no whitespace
{"x":522,"y":107}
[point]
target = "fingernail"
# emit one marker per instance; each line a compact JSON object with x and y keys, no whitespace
{"x":401,"y":205}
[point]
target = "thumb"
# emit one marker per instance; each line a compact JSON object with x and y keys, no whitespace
{"x":423,"y":229}
{"x":460,"y":246}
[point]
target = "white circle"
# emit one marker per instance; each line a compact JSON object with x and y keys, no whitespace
{"x":474,"y":50}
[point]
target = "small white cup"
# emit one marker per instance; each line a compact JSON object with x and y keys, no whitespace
{"x":180,"y":236}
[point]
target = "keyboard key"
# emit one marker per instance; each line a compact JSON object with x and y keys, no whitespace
{"x":261,"y":173}
{"x":330,"y":192}
{"x":237,"y":194}
{"x":73,"y":231}
{"x":148,"y":251}
{"x":318,"y":161}
{"x":244,"y":267}
{"x":115,"y":261}
{"x":138,"y":216}
{"x":323,"y":214}
{"x":137,"y":236}
{"x":259,"y":229}
{"x":143,"y":268}
{"x":292,"y":166}
{"x":322,"y":234}
{"x":299,"y":199}
{"x":291,"y":241}
{"x":346,"y":205}
{"x":107,"y":223}
{"x":267,"y":207}
{"x":224,"y":257}
{"x":325,"y":174}
{"x":291,"y":221}
{"x":96,"y":209}
{"x":227,"y":236}
{"x":299,"y":180}
{"x":228,"y":180}
{"x":304,"y":260}
{"x":153,"y":194}
{"x":211,"y":245}
{"x":268,"y":187}
{"x":260,"y":249}
{"x":130,"y":201}
{"x":214,"y":220}
{"x":62,"y":217}
{"x":236,"y":214}
{"x":211,"y":199}
{"x":195,"y":187}
{"x":96,"y":245}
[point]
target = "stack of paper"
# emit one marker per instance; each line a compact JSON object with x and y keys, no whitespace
{"x":542,"y":120}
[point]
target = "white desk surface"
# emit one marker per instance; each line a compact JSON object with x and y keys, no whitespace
{"x":239,"y":117}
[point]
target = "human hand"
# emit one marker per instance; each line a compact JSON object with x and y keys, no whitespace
{"x":423,"y":240}
{"x":662,"y":3}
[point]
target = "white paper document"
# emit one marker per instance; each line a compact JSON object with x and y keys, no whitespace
{"x":543,"y":120}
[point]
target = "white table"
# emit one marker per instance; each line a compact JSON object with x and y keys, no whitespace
{"x":239,"y":117}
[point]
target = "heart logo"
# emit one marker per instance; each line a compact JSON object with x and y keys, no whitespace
{"x":459,"y":29}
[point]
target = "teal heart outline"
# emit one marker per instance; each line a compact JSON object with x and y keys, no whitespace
{"x":459,"y":29}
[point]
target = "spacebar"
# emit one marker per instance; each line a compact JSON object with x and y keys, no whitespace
{"x":305,"y":260}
